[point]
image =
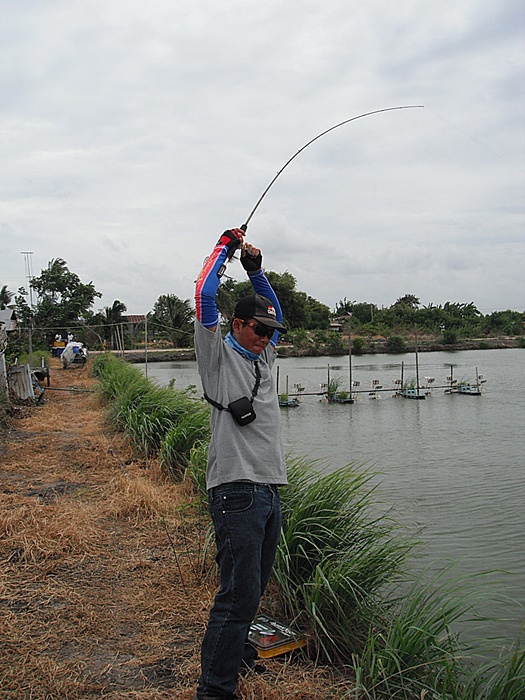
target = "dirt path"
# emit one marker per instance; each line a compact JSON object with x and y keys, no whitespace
{"x":104,"y":587}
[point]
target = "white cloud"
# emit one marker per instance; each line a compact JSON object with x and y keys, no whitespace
{"x":132,"y":135}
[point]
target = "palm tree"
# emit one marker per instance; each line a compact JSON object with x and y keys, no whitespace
{"x":5,"y":297}
{"x":172,"y":318}
{"x":112,"y":316}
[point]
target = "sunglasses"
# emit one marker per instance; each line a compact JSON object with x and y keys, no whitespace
{"x":259,"y":329}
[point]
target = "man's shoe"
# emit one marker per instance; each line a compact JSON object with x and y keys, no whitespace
{"x":229,"y":696}
{"x":254,"y":668}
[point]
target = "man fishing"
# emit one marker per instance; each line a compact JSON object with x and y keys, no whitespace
{"x":245,"y":459}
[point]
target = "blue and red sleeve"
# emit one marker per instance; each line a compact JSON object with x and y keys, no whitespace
{"x":261,"y":286}
{"x":207,"y":285}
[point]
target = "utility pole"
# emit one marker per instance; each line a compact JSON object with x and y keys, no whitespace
{"x":29,"y":276}
{"x":3,"y":368}
{"x":146,"y":342}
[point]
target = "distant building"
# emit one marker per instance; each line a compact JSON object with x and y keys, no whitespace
{"x":8,"y":320}
{"x":132,"y":320}
{"x":336,"y":326}
{"x":7,"y":325}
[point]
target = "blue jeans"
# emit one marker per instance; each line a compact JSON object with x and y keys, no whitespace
{"x":247,"y":522}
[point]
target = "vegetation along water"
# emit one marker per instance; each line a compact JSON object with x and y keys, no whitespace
{"x":451,"y":466}
{"x":344,"y":570}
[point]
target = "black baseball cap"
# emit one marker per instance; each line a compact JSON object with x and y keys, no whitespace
{"x":260,"y":308}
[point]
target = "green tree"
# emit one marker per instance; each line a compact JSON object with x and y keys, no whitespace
{"x":106,"y":324}
{"x":317,"y":314}
{"x":361,"y":312}
{"x":63,"y":300}
{"x":409,"y":300}
{"x":172,"y":319}
{"x":293,"y":303}
{"x":228,"y":294}
{"x":5,"y":297}
{"x":358,"y":345}
{"x":299,"y":310}
{"x":505,"y":323}
{"x":405,"y":310}
{"x":24,"y":313}
{"x":343,"y":308}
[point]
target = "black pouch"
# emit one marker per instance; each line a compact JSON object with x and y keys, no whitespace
{"x":242,"y":411}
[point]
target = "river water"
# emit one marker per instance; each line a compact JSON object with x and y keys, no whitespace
{"x":451,"y":467}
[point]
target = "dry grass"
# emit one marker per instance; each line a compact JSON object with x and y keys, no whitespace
{"x":105,"y":579}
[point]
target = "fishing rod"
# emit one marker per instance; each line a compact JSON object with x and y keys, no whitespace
{"x":244,"y":227}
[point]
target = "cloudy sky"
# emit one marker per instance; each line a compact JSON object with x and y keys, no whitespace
{"x":133,"y":133}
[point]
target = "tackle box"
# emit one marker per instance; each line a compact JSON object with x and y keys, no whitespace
{"x":272,"y":638}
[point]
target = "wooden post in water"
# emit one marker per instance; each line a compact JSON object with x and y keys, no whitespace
{"x":349,"y":360}
{"x":417,"y":361}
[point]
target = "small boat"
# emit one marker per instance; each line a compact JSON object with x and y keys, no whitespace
{"x":469,"y":389}
{"x":284,"y":399}
{"x":464,"y":387}
{"x":285,"y":402}
{"x":411,"y":393}
{"x":341,"y":397}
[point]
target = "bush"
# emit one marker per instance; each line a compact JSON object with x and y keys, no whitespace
{"x":190,"y":430}
{"x":358,"y":345}
{"x":450,"y":337}
{"x":396,"y":344}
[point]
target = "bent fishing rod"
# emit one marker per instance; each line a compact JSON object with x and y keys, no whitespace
{"x":244,"y":227}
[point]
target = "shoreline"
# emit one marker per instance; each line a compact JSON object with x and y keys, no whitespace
{"x":285,"y":351}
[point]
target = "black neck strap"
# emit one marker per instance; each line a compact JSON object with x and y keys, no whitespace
{"x":255,"y":389}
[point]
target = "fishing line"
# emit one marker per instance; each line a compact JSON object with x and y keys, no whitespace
{"x":244,"y":227}
{"x":475,"y":140}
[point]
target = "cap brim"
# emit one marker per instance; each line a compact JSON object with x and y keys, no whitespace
{"x":271,"y":323}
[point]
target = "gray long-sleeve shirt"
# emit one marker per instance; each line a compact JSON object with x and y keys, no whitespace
{"x":251,"y":452}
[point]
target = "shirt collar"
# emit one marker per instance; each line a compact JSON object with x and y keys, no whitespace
{"x":251,"y":356}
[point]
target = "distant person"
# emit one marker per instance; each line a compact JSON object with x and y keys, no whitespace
{"x":245,"y":459}
{"x":70,"y":337}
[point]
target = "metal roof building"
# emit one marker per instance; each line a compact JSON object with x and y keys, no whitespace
{"x":8,"y":319}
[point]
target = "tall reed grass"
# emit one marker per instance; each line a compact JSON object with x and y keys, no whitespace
{"x":334,"y":559}
{"x":342,"y":572}
{"x":345,"y":574}
{"x":158,"y":420}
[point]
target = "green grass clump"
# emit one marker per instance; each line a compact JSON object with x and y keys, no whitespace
{"x":158,"y":420}
{"x":334,"y":558}
{"x":190,"y":430}
{"x":196,"y":470}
